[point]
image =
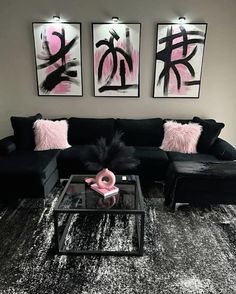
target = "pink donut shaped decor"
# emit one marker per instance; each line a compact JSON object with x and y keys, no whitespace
{"x":105,"y":179}
{"x":89,"y":181}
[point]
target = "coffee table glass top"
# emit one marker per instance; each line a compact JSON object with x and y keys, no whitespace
{"x":77,"y":195}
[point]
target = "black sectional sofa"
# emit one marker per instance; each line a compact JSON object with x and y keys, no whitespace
{"x":28,"y":173}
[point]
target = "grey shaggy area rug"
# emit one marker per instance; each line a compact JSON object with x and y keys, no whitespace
{"x":190,"y":251}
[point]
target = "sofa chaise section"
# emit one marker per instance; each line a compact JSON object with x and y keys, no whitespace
{"x":28,"y":174}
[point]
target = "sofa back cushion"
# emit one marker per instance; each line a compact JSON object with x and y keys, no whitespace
{"x":23,"y":131}
{"x":84,"y":131}
{"x":141,"y":132}
{"x":179,"y":120}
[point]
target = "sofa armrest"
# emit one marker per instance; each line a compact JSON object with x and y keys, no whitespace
{"x":223,"y":150}
{"x":7,"y":145}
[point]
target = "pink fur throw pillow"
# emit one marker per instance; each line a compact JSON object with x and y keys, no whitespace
{"x":181,"y":137}
{"x":50,"y":134}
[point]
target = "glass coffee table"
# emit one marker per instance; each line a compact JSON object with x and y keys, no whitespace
{"x":87,"y":223}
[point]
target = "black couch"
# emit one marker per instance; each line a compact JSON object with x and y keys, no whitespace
{"x":28,"y":173}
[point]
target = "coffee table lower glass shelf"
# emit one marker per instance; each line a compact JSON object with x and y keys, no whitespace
{"x":87,"y":223}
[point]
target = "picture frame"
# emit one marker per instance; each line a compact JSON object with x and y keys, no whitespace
{"x":58,"y":58}
{"x":116,"y":59}
{"x":178,"y":60}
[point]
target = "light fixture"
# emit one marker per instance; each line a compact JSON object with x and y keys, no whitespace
{"x":115,"y":19}
{"x":182,"y":19}
{"x":56,"y":18}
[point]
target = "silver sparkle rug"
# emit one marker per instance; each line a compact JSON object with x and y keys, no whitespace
{"x":190,"y":251}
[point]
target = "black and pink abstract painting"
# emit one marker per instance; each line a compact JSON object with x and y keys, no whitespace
{"x":58,"y":58}
{"x":116,"y":59}
{"x":179,"y":57}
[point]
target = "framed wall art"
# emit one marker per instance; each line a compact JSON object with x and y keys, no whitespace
{"x":179,"y":57}
{"x":116,"y":61}
{"x":58,"y":58}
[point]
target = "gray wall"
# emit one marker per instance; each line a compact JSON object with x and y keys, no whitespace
{"x":18,"y":94}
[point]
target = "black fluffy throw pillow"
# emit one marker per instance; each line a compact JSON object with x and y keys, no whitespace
{"x":23,"y":131}
{"x":210,"y":132}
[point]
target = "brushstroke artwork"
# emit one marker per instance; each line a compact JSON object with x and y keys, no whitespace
{"x":58,"y":58}
{"x":179,"y":57}
{"x":116,"y":59}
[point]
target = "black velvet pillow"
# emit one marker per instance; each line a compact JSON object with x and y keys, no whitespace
{"x":23,"y":131}
{"x":141,"y":132}
{"x":84,"y":131}
{"x":210,"y":132}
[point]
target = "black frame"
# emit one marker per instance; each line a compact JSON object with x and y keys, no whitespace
{"x":59,"y":241}
{"x":51,"y":22}
{"x":93,"y":52}
{"x":154,"y":75}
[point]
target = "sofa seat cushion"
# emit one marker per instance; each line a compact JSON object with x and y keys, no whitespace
{"x":177,"y":156}
{"x":141,"y":132}
{"x":72,"y":161}
{"x":153,"y":162}
{"x":84,"y":131}
{"x":27,"y":165}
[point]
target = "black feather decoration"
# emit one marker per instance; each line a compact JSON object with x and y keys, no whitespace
{"x":115,"y":156}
